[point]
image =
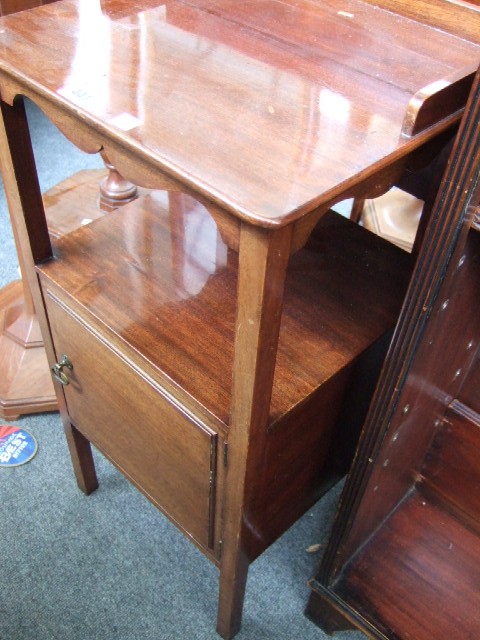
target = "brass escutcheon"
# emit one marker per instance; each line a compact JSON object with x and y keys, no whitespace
{"x":57,"y":369}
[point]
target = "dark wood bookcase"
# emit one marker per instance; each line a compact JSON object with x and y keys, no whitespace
{"x":404,"y":556}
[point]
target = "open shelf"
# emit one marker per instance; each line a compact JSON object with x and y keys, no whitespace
{"x":158,"y":275}
{"x":418,"y":575}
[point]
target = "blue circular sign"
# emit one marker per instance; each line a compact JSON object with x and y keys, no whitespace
{"x":17,"y":446}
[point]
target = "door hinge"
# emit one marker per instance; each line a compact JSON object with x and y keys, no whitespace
{"x":225,"y":454}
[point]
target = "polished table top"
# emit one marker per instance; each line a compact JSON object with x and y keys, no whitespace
{"x":269,"y":108}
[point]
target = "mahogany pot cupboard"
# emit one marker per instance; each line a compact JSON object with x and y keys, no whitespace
{"x":404,"y":557}
{"x":213,"y":337}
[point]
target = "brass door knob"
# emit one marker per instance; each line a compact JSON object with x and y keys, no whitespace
{"x":57,"y":369}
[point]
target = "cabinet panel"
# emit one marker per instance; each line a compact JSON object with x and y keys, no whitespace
{"x":169,"y":457}
{"x":469,"y":392}
{"x":452,"y":467}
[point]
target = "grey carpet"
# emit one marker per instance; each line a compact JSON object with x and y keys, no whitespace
{"x":110,"y":566}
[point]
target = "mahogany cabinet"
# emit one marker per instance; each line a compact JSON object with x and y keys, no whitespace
{"x":403,"y":559}
{"x":213,"y":336}
{"x":141,"y":307}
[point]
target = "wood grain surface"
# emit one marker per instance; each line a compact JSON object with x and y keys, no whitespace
{"x":269,"y":108}
{"x":170,"y":291}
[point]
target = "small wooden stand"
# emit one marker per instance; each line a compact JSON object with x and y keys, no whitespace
{"x":205,"y":341}
{"x":25,"y":385}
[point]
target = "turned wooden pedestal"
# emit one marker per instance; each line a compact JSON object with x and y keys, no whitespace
{"x":25,"y":384}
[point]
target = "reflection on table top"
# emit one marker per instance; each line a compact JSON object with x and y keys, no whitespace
{"x":269,"y":107}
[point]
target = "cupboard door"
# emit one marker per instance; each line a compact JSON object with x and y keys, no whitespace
{"x":167,"y":455}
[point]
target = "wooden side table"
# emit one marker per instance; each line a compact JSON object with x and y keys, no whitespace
{"x":205,"y":338}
